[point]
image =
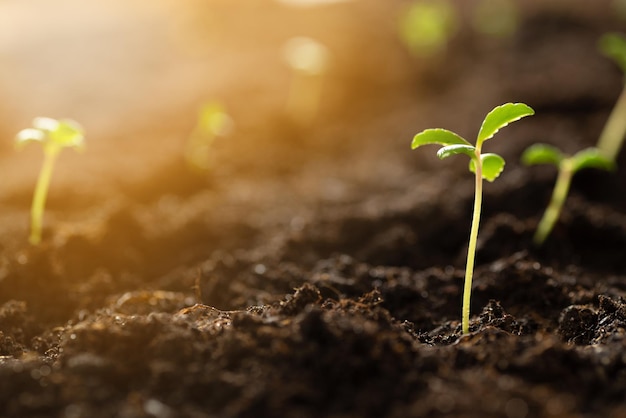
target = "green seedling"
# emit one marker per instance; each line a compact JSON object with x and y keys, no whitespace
{"x":567,"y":167}
{"x":614,"y":46}
{"x":427,"y":26}
{"x":213,"y":122}
{"x":484,"y":166}
{"x":497,"y":18}
{"x":309,"y":61}
{"x":53,"y":135}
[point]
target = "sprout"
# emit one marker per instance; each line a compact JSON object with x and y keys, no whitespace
{"x":213,"y":121}
{"x":427,"y":26}
{"x":603,"y":156}
{"x":496,"y":17}
{"x":484,"y":166}
{"x":54,"y":135}
{"x":309,"y":61}
{"x":614,"y":46}
{"x":567,"y":166}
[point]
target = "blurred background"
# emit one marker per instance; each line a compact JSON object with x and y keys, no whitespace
{"x":136,"y":74}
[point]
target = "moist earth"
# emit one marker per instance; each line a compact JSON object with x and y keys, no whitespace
{"x":317,"y":270}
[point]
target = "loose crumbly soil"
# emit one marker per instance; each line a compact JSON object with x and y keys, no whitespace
{"x":317,"y":270}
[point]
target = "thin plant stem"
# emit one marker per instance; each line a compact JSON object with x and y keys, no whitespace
{"x":471,"y":249}
{"x":39,"y":198}
{"x":614,"y":130}
{"x":553,"y":211}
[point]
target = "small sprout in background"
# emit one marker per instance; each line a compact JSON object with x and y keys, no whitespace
{"x":614,"y":46}
{"x":484,"y":166}
{"x":603,"y":156}
{"x":54,"y":135}
{"x":427,"y":26}
{"x":495,"y":17}
{"x":309,"y":61}
{"x":213,"y":122}
{"x":567,"y":167}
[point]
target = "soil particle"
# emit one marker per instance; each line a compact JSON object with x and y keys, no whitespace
{"x":577,"y":324}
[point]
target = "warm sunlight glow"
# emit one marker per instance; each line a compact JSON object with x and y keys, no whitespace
{"x":311,"y":2}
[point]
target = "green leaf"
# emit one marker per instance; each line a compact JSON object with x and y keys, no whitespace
{"x":500,"y":117}
{"x":437,"y":136}
{"x":542,"y":154}
{"x":449,"y":150}
{"x":591,"y":158}
{"x":493,"y":165}
{"x":53,"y":134}
{"x":613,"y":45}
{"x":45,"y":124}
{"x":28,"y":135}
{"x":68,"y":133}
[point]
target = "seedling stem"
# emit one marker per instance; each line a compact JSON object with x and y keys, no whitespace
{"x":613,"y":45}
{"x":553,"y":211}
{"x":39,"y":198}
{"x":612,"y":135}
{"x":471,"y":250}
{"x":53,"y":135}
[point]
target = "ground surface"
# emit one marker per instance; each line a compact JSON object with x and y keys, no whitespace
{"x":317,"y":270}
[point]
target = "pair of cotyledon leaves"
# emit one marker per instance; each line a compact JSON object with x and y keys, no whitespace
{"x":453,"y":144}
{"x":547,"y":154}
{"x":53,"y":134}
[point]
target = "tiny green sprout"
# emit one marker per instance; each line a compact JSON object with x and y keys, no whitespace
{"x":484,"y":166}
{"x":613,"y":45}
{"x":567,"y":167}
{"x":212,"y":122}
{"x":309,"y":60}
{"x":427,"y":26}
{"x":498,"y":18}
{"x":54,"y":135}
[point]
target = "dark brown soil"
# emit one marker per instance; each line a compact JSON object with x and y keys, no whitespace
{"x":317,"y":270}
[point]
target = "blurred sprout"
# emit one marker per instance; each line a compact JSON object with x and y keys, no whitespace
{"x":427,"y":26}
{"x":213,"y":122}
{"x":309,"y":61}
{"x":495,"y":17}
{"x":53,"y":135}
{"x":567,"y":166}
{"x":613,"y":45}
